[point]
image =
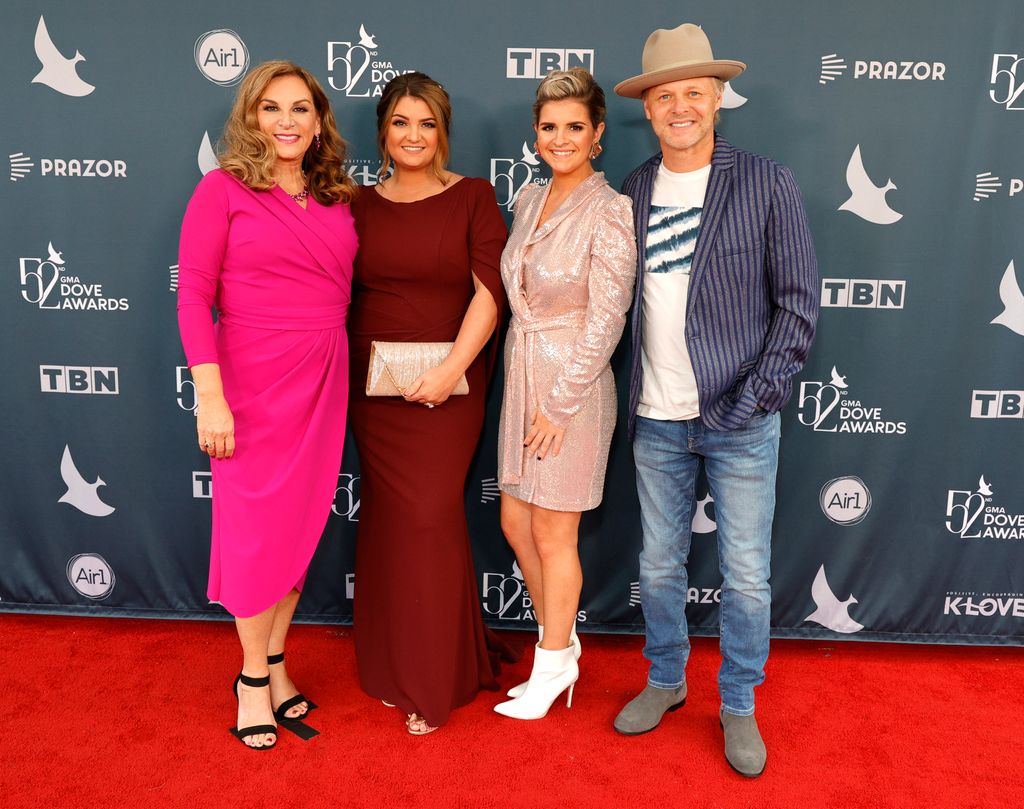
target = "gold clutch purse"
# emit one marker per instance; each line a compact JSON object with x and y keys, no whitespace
{"x":394,"y":366}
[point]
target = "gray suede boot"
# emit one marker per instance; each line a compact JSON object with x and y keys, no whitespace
{"x":644,"y":711}
{"x":744,"y":749}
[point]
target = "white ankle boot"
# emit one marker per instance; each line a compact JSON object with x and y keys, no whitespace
{"x":554,"y":671}
{"x":577,"y":650}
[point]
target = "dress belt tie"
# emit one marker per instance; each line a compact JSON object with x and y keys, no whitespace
{"x":519,"y":378}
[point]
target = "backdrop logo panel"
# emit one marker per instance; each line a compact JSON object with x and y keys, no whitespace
{"x":48,"y":284}
{"x":81,"y":494}
{"x":536,"y":63}
{"x":173,"y":277}
{"x":346,"y":497}
{"x":78,"y":379}
{"x":505,"y":596}
{"x":364,"y":171}
{"x":91,"y":575}
{"x":863,"y":293}
{"x":206,"y":157}
{"x":186,"y":389}
{"x":987,"y":185}
{"x":831,"y":613}
{"x":975,"y":515}
{"x":834,"y":66}
{"x":1007,"y":81}
{"x":845,"y":501}
{"x":221,"y":56}
{"x":58,"y":73}
{"x":87,"y":167}
{"x":997,"y":404}
{"x":202,"y":485}
{"x":1010,"y":294}
{"x":358,"y":69}
{"x":985,"y":605}
{"x":866,"y":199}
{"x":510,"y":175}
{"x":826,"y":407}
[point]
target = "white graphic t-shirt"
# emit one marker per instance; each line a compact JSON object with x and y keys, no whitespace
{"x":669,"y":389}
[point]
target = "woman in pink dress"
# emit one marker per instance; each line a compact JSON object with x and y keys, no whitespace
{"x":269,"y":240}
{"x":569,"y":268}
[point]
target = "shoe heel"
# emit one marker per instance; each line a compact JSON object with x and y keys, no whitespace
{"x":568,"y":702}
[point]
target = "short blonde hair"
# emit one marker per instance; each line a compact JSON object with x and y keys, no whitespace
{"x":575,"y":84}
{"x":250,"y":155}
{"x":421,"y":86}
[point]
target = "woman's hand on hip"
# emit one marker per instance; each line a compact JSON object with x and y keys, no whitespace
{"x":543,"y":436}
{"x":215,"y":427}
{"x":433,"y":387}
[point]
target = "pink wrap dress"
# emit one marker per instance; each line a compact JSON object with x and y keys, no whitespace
{"x":569,"y":284}
{"x":280,"y":278}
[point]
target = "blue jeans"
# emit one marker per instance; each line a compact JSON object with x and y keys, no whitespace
{"x":740,"y":466}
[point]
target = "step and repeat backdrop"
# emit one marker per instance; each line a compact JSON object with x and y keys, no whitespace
{"x":901,"y":504}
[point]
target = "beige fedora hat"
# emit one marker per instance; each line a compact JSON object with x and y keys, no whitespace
{"x":679,"y":53}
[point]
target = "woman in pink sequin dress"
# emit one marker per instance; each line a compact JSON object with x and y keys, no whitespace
{"x":268,"y":240}
{"x":568,"y":269}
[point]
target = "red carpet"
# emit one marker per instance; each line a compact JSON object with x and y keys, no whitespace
{"x":124,"y":713}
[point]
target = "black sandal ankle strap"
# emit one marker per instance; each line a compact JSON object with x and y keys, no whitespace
{"x":254,"y":682}
{"x":275,"y":659}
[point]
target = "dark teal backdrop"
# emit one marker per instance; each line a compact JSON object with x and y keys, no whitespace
{"x":900,"y":486}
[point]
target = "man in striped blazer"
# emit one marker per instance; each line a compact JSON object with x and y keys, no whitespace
{"x":724,"y":314}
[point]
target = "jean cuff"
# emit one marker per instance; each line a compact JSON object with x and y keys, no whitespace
{"x":737,"y":711}
{"x":665,"y":686}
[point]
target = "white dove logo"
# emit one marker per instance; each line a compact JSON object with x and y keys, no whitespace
{"x":1012,"y":315}
{"x":831,"y":612}
{"x":55,"y":256}
{"x":81,"y":494}
{"x":837,"y":380}
{"x":866,"y":199}
{"x":59,"y":73}
{"x":702,"y":523}
{"x":984,"y":488}
{"x":365,"y":39}
{"x":207,"y":158}
{"x":529,"y":156}
{"x":516,"y":572}
{"x":731,"y":100}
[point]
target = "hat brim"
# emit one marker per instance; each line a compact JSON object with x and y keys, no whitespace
{"x":724,"y":69}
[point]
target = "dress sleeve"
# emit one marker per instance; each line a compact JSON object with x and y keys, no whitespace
{"x":487,"y":236}
{"x":610,"y":290}
{"x":204,"y":238}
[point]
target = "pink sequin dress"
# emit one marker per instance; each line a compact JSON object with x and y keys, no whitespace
{"x":280,"y":277}
{"x":569,"y":284}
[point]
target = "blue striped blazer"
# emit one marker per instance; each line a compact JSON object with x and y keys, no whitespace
{"x":753,"y":296}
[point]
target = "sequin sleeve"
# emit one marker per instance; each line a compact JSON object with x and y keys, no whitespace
{"x":610,"y":292}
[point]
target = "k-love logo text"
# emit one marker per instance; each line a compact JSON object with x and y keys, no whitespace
{"x":834,"y":66}
{"x":50,"y":284}
{"x":984,"y":605}
{"x":357,"y":68}
{"x":827,"y":407}
{"x":976,"y":515}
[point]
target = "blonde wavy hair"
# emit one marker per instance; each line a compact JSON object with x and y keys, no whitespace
{"x":575,"y":84}
{"x":421,"y":86}
{"x":250,"y":155}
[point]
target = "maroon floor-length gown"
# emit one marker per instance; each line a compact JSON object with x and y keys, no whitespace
{"x":420,"y":639}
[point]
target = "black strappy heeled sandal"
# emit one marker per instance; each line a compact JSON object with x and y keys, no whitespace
{"x":291,"y":702}
{"x":252,"y":730}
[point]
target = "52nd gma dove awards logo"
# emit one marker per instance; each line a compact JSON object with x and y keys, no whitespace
{"x":50,"y":284}
{"x":828,"y":407}
{"x":358,"y":68}
{"x":976,"y":515}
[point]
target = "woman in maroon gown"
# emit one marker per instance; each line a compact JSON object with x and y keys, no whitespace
{"x":427,"y":270}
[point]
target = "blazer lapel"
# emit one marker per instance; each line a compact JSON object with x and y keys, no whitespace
{"x":719,"y":188}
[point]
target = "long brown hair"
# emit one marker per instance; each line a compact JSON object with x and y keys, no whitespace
{"x":421,"y":86}
{"x":250,"y":155}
